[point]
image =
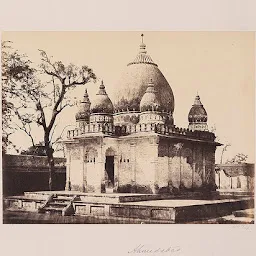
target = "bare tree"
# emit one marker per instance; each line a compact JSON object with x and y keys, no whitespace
{"x":40,"y":103}
{"x":224,"y":150}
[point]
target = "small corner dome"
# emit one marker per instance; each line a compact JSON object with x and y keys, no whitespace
{"x":102,"y":103}
{"x":197,"y":112}
{"x":83,"y":112}
{"x":150,"y":101}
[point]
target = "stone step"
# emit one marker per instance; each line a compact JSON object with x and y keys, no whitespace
{"x":53,"y":209}
{"x":232,"y":219}
{"x":62,"y":204}
{"x":64,"y":200}
{"x":244,"y":213}
{"x":66,"y":197}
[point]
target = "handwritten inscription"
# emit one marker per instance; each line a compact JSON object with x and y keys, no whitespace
{"x":142,"y":250}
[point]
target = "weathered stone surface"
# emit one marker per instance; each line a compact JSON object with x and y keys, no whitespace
{"x":142,"y":164}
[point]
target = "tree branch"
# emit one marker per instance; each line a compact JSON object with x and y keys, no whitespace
{"x":28,"y":132}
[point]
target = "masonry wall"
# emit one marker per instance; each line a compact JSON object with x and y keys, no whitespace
{"x":23,"y":173}
{"x":184,"y":165}
{"x":85,"y":165}
{"x":142,"y":164}
{"x":137,"y":164}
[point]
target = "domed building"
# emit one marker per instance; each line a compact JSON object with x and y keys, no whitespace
{"x":130,"y":144}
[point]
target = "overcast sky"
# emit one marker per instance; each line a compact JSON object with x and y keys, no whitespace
{"x":218,"y":65}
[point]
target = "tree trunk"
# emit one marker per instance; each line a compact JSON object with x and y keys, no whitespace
{"x":52,"y":183}
{"x":49,"y":153}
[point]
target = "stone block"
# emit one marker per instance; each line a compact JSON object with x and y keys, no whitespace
{"x":139,"y":212}
{"x":119,"y":211}
{"x":81,"y":210}
{"x":163,"y":214}
{"x":97,"y":210}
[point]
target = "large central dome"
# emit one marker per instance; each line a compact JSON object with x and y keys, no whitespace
{"x":134,"y":83}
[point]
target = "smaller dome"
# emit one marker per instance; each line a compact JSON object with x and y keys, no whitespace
{"x":84,"y":108}
{"x":150,"y":101}
{"x":102,"y":103}
{"x":197,"y":113}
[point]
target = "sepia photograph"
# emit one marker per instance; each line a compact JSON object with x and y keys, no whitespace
{"x":128,"y":127}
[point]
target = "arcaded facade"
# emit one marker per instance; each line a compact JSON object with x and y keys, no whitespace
{"x":131,"y":144}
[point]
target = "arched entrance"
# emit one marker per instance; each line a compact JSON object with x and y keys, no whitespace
{"x":110,"y":170}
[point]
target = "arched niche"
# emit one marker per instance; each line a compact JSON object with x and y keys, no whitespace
{"x":91,"y":155}
{"x":110,"y":152}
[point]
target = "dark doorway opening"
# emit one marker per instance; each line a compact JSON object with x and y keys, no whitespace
{"x":109,"y":167}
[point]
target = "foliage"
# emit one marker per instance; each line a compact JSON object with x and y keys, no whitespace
{"x":16,"y":73}
{"x":36,"y":96}
{"x":238,"y":159}
{"x":36,"y":150}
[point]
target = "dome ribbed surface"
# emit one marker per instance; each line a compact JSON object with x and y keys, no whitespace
{"x":133,"y":84}
{"x":102,"y":103}
{"x":197,"y":113}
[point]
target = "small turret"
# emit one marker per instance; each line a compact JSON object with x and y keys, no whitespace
{"x":102,"y":108}
{"x":197,"y":116}
{"x":83,"y":113}
{"x":150,"y":106}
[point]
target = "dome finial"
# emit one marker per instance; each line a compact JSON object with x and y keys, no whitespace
{"x":142,"y":38}
{"x":151,"y":87}
{"x":197,"y":100}
{"x":86,"y":96}
{"x":142,"y":45}
{"x":102,"y":87}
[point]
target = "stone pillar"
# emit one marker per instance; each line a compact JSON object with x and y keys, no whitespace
{"x":154,"y":164}
{"x":83,"y":159}
{"x":133,"y":166}
{"x":203,"y":174}
{"x":68,"y":183}
{"x":101,"y":164}
{"x":169,"y":162}
{"x":116,"y":173}
{"x":180,"y":167}
{"x":193,"y":166}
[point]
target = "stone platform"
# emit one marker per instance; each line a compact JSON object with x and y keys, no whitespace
{"x":145,"y":207}
{"x":99,"y":197}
